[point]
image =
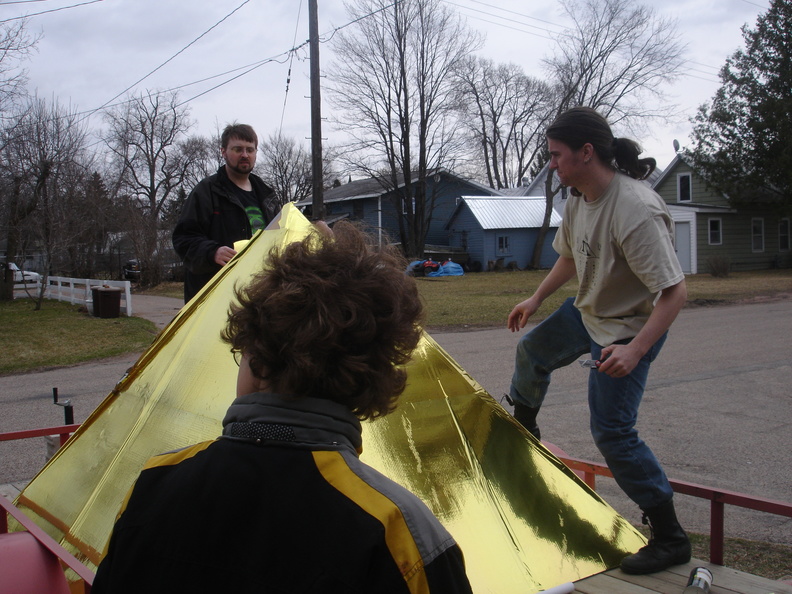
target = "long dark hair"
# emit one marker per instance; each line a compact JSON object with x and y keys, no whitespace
{"x":580,"y":125}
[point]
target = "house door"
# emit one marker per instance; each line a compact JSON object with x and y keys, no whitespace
{"x":682,"y":245}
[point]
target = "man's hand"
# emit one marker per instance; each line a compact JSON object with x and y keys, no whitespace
{"x":223,"y":255}
{"x":618,"y":360}
{"x":518,"y":317}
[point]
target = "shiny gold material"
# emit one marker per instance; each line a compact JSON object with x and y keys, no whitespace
{"x":524,"y":521}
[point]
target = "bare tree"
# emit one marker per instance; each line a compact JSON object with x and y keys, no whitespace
{"x":617,"y":58}
{"x":16,"y":45}
{"x":287,"y":168}
{"x":392,"y":84}
{"x":505,"y":113}
{"x":202,"y":158}
{"x":48,"y":158}
{"x":91,"y":215}
{"x":144,"y":138}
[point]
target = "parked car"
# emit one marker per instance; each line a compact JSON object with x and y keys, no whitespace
{"x":24,"y":276}
{"x":131,"y":270}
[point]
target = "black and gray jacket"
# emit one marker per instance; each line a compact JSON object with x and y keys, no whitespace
{"x":212,"y":217}
{"x":279,"y":503}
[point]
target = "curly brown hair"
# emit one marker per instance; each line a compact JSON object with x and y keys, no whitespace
{"x":330,"y":317}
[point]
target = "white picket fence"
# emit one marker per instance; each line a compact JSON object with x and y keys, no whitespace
{"x":79,"y":291}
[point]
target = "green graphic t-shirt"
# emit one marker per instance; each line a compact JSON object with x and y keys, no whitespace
{"x":252,"y":208}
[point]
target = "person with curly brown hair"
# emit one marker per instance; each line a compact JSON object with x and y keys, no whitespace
{"x":281,"y":501}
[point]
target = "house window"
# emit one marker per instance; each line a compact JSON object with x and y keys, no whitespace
{"x":714,"y":235}
{"x":684,"y":188}
{"x":783,"y":235}
{"x":757,"y":235}
{"x":404,"y":205}
{"x":357,"y":210}
{"x":503,"y":245}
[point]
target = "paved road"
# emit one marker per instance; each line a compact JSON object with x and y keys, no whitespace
{"x":717,"y":410}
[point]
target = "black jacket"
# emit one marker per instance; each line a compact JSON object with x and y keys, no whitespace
{"x":213,"y":217}
{"x":281,"y":503}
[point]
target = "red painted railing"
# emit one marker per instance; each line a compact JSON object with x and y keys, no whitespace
{"x":588,"y":471}
{"x":63,"y":431}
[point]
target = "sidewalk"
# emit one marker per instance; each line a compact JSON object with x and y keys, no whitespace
{"x":160,"y":310}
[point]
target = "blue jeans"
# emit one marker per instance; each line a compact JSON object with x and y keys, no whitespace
{"x":613,"y":402}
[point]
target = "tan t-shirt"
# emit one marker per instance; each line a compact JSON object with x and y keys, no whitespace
{"x":622,"y":244}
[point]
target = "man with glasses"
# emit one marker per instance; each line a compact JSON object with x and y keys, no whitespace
{"x":228,"y":206}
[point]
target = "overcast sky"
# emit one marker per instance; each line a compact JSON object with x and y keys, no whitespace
{"x":230,"y":58}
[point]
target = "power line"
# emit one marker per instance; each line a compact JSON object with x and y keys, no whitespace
{"x":519,"y":14}
{"x":291,"y":61}
{"x":247,"y":68}
{"x":550,"y":33}
{"x":21,"y":2}
{"x":18,"y":18}
{"x":233,"y":78}
{"x":172,"y":57}
{"x":755,"y":4}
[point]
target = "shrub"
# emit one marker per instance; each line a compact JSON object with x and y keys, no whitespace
{"x":718,"y":266}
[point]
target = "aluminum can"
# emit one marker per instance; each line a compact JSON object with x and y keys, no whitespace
{"x":699,"y":581}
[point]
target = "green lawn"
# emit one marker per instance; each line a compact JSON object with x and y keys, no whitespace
{"x":62,"y":334}
{"x":485,"y":299}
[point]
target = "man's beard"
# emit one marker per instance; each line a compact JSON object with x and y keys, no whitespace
{"x":241,"y":168}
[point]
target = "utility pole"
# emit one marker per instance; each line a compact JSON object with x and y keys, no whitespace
{"x":316,"y":113}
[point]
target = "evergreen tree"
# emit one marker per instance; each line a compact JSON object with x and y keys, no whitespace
{"x":743,"y":140}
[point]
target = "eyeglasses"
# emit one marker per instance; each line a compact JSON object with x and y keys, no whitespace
{"x":239,"y":150}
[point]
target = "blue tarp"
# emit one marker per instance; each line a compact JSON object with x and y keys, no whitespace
{"x":447,"y":268}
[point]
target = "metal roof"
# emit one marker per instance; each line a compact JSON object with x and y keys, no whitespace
{"x":509,"y":213}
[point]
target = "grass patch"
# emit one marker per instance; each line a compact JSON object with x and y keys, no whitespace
{"x":485,"y":299}
{"x":63,"y":334}
{"x":738,"y":286}
{"x":168,"y":289}
{"x":765,"y":559}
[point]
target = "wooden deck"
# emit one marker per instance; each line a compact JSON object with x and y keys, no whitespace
{"x":673,"y":581}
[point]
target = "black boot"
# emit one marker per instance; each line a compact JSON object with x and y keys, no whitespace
{"x":526,"y":416}
{"x":668,"y":543}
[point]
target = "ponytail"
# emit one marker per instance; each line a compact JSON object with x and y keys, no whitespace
{"x":625,"y":155}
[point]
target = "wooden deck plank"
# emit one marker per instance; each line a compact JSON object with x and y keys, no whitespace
{"x":725,"y":580}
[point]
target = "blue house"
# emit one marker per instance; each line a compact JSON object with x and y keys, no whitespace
{"x":374,"y":201}
{"x":501,"y":231}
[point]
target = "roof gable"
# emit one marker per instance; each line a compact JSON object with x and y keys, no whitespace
{"x":373,"y":187}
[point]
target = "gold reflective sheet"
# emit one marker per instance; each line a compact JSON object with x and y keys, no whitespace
{"x":524,"y":522}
